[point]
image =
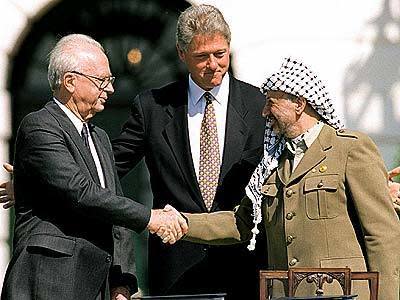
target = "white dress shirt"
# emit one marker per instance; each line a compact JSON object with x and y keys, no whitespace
{"x":79,"y":125}
{"x":300,"y":144}
{"x":196,"y":107}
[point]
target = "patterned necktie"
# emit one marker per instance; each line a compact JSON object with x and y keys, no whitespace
{"x":209,"y":154}
{"x":85,"y":135}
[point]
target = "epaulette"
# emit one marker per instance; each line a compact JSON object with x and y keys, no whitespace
{"x":346,"y":133}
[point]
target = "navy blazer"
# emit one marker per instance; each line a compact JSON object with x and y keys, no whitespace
{"x":63,"y":240}
{"x":157,"y":130}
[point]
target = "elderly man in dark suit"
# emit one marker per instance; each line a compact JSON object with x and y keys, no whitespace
{"x":201,"y":139}
{"x":320,"y":193}
{"x":68,"y":195}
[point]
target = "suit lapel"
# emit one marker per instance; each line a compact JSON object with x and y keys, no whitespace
{"x":315,"y":154}
{"x":176,"y":134}
{"x":76,"y":138}
{"x":236,"y":128}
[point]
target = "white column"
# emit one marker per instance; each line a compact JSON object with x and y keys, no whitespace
{"x":5,"y":131}
{"x":12,"y":22}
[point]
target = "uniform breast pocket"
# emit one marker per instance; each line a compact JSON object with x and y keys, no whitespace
{"x":321,"y":197}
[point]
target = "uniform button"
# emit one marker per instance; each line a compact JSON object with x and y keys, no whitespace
{"x":293,"y":262}
{"x":289,"y":193}
{"x":289,"y":239}
{"x":323,"y":168}
{"x":290,"y":215}
{"x":108,"y":258}
{"x":320,"y":185}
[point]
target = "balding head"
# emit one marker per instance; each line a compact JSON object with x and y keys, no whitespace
{"x":67,"y":55}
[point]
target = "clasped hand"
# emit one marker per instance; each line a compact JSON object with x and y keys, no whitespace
{"x":394,"y":188}
{"x":168,"y":224}
{"x":7,"y":189}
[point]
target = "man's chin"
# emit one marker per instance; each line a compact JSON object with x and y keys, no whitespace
{"x":99,"y":108}
{"x":216,"y":81}
{"x":212,"y":81}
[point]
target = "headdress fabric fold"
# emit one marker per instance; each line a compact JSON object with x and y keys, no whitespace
{"x":295,"y":78}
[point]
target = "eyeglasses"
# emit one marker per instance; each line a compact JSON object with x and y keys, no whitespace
{"x":104,"y":82}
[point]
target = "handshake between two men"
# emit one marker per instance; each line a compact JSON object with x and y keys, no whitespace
{"x":168,"y":224}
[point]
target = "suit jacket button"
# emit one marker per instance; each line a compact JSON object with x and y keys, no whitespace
{"x":293,"y":261}
{"x":108,"y":258}
{"x":290,"y":215}
{"x":289,"y":193}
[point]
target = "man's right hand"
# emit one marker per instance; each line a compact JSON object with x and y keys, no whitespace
{"x":394,"y":188}
{"x":170,"y":222}
{"x":7,"y":189}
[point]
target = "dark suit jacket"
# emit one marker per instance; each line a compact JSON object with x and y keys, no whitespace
{"x":158,"y":130}
{"x":63,"y":241}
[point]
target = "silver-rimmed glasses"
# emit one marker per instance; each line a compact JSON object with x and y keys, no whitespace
{"x":104,"y":82}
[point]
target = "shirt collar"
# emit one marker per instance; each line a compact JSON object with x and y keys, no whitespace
{"x":302,"y":142}
{"x":220,"y":93}
{"x":74,"y":119}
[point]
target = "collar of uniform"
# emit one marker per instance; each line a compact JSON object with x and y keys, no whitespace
{"x":74,"y":119}
{"x":220,"y":93}
{"x":302,"y":142}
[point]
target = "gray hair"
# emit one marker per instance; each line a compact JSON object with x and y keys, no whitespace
{"x":200,"y":19}
{"x":65,"y":57}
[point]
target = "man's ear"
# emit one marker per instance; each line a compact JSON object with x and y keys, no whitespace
{"x":300,"y":105}
{"x":69,"y":81}
{"x":181,"y":53}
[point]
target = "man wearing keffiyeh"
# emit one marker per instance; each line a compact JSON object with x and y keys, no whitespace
{"x":320,"y":193}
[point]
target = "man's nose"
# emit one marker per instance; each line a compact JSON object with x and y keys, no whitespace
{"x":266,"y":110}
{"x":212,"y":62}
{"x":109,"y":89}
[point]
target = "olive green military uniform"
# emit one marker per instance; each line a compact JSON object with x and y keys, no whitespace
{"x":334,"y":210}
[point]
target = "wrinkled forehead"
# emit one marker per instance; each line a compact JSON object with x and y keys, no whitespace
{"x":276,"y":94}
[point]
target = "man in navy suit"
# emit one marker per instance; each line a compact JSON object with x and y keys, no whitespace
{"x":68,"y":195}
{"x":165,"y":128}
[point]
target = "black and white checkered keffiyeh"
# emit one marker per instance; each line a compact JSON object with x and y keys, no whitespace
{"x":295,"y":78}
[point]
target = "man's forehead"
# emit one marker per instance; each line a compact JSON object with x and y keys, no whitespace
{"x":96,"y":61}
{"x":207,"y":42}
{"x":279,"y":94}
